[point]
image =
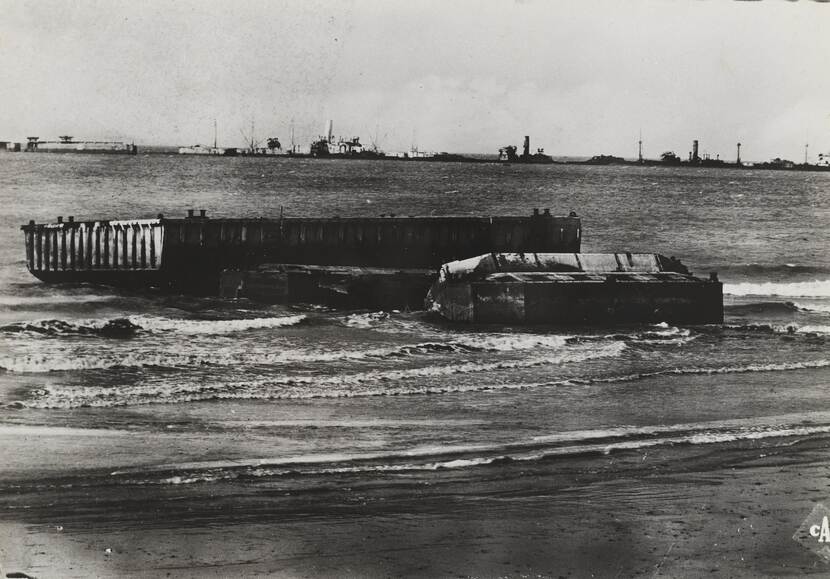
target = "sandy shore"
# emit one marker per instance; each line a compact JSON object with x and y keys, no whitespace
{"x":726,"y":510}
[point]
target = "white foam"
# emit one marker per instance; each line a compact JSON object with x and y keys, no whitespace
{"x":365,"y":320}
{"x":371,"y":383}
{"x":508,"y":342}
{"x":213,"y":327}
{"x":468,"y":456}
{"x":69,"y":360}
{"x":781,"y":329}
{"x":771,"y":367}
{"x":814,"y":329}
{"x":817,"y":288}
{"x":811,"y":307}
{"x":9,"y":301}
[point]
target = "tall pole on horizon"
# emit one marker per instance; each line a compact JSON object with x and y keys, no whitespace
{"x":214,"y":133}
{"x":292,"y":135}
{"x":640,"y":148}
{"x":738,"y":162}
{"x":806,"y":146}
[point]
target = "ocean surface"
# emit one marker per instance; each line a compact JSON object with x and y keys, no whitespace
{"x":211,"y":390}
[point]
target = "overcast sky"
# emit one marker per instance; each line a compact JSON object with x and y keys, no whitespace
{"x":581,"y":77}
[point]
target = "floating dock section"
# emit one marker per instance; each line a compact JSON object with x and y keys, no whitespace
{"x":574,"y":288}
{"x":196,"y":252}
{"x":528,"y":269}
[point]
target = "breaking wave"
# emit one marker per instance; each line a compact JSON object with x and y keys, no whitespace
{"x":450,"y":457}
{"x":790,"y":329}
{"x":213,"y":327}
{"x":203,"y":355}
{"x":22,"y":301}
{"x":117,"y":327}
{"x":760,"y":270}
{"x":772,"y":367}
{"x":762,"y":308}
{"x":473,"y":343}
{"x":148,"y":324}
{"x":370,"y":383}
{"x":365,"y":320}
{"x":814,"y":329}
{"x":824,"y":308}
{"x":818,"y":288}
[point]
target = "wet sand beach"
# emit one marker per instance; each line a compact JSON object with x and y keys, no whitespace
{"x":726,"y":510}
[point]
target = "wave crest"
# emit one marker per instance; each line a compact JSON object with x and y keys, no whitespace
{"x":817,"y":288}
{"x":409,"y":381}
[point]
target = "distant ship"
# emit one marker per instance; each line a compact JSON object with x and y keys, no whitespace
{"x":206,"y":150}
{"x":272,"y":147}
{"x":326,"y":146}
{"x":508,"y":154}
{"x":67,"y":144}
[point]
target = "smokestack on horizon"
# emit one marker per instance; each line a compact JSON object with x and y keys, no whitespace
{"x":526,"y":152}
{"x":329,"y":130}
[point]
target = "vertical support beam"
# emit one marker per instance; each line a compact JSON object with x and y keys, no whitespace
{"x":114,"y":258}
{"x":62,"y":242}
{"x":106,"y":228}
{"x":46,"y":240}
{"x":55,"y":250}
{"x":30,"y":249}
{"x":95,"y":231}
{"x":38,"y":233}
{"x":82,"y":264}
{"x":135,"y":253}
{"x":153,"y":246}
{"x":88,"y":234}
{"x":143,"y":256}
{"x":72,"y":232}
{"x":125,"y":231}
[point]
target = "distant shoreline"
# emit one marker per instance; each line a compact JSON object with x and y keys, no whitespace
{"x":597,"y":160}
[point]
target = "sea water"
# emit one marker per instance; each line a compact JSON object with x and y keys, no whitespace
{"x":211,"y":389}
